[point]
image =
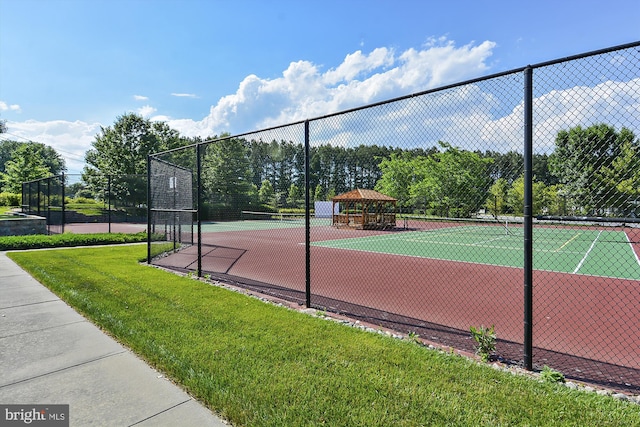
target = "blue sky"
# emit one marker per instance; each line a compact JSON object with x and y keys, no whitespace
{"x":68,"y":67}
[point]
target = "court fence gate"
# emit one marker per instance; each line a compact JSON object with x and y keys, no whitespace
{"x":516,"y":197}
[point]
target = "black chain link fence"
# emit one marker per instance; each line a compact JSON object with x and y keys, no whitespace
{"x":96,"y":199}
{"x":507,"y":201}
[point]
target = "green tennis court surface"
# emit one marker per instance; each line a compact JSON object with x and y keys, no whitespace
{"x":579,"y":251}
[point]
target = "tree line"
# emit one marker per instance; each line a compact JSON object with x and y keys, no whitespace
{"x":592,"y":170}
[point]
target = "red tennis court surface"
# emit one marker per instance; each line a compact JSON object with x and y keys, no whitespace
{"x":580,"y":328}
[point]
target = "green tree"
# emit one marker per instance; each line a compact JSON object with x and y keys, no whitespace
{"x":226,"y":177}
{"x":540,"y":197}
{"x":121,"y":150}
{"x":497,"y":202}
{"x":51,"y":158}
{"x":318,"y":194}
{"x":507,"y":166}
{"x":624,"y":174}
{"x":555,"y":202}
{"x":462,"y":181}
{"x":27,"y":163}
{"x":452,"y":182}
{"x":266,"y":194}
{"x":398,"y":176}
{"x":7,"y":148}
{"x":540,"y":170}
{"x":591,"y":162}
{"x":295,"y":198}
{"x":424,"y":186}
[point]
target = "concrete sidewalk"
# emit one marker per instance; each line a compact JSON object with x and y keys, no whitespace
{"x":49,"y":354}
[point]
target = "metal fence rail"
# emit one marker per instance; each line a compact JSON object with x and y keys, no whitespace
{"x":515,"y":199}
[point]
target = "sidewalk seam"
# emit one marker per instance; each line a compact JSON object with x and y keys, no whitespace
{"x":86,"y":362}
{"x":43,"y":329}
{"x":8,"y":307}
{"x":161,"y":412}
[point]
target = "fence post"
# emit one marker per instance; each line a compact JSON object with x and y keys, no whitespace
{"x":528,"y":218}
{"x":109,"y":201}
{"x":307,"y":215}
{"x":38,"y":198}
{"x":64,"y":202}
{"x":149,"y":209}
{"x":47,"y":206}
{"x":199,"y":206}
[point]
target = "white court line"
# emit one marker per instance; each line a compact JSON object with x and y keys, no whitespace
{"x":584,"y":258}
{"x":633,"y":251}
{"x":484,"y":242}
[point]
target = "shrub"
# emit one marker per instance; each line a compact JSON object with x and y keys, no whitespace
{"x":39,"y":241}
{"x":551,"y":375}
{"x":10,"y":199}
{"x":85,"y":194}
{"x":486,"y":339}
{"x":82,"y":200}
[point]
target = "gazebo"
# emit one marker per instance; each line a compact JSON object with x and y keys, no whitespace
{"x":364,"y":209}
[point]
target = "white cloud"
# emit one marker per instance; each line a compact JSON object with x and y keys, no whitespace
{"x":442,"y":64}
{"x":614,"y":103}
{"x":357,"y":64}
{"x":184,"y":95}
{"x":146,"y":111}
{"x":70,"y":139}
{"x":304,"y":91}
{"x":462,"y":115}
{"x":12,"y":107}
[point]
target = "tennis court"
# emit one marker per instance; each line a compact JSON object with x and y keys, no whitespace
{"x":573,"y":249}
{"x":563,"y":248}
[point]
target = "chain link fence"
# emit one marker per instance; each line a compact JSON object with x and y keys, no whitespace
{"x":96,"y":199}
{"x":507,"y":201}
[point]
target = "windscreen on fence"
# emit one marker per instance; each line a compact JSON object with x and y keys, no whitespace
{"x":427,"y":214}
{"x":172,"y":206}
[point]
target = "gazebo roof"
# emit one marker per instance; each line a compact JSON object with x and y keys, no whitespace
{"x":363,"y":195}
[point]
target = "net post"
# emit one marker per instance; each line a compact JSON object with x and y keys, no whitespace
{"x":528,"y":218}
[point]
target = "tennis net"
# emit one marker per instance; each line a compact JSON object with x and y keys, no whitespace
{"x":488,"y":226}
{"x":272,"y":216}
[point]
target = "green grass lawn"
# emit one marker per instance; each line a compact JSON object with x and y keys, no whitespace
{"x":259,"y":364}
